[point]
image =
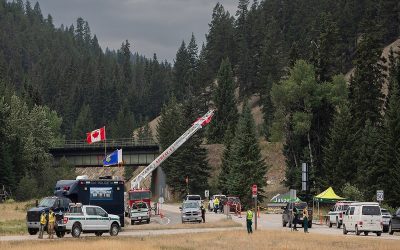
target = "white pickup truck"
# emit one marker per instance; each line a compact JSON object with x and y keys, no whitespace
{"x":140,"y":212}
{"x":335,"y":215}
{"x":90,"y":219}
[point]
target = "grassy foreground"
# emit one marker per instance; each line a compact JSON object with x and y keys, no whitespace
{"x":215,"y":240}
{"x":12,"y":219}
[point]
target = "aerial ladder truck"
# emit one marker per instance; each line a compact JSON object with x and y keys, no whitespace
{"x":144,"y":195}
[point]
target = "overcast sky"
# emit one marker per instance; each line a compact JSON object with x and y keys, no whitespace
{"x":151,"y":26}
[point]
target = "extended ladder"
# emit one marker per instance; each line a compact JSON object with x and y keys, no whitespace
{"x":198,"y":124}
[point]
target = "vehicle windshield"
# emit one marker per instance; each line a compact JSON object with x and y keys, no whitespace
{"x":193,"y":198}
{"x":385,"y":212}
{"x":139,"y":195}
{"x":47,"y":202}
{"x":139,"y":205}
{"x":190,"y":205}
{"x":371,"y":210}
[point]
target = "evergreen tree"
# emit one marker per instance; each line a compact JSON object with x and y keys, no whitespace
{"x":196,"y":166}
{"x":181,"y":68}
{"x":326,"y":50}
{"x":226,"y":163}
{"x":387,"y":172}
{"x":367,"y":150}
{"x":226,"y":114}
{"x":6,"y":169}
{"x":338,"y":165}
{"x":246,"y":165}
{"x":169,"y":128}
{"x":220,"y":39}
{"x":83,"y":124}
{"x":366,"y":97}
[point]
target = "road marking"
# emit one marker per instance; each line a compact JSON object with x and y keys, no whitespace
{"x":168,"y":219}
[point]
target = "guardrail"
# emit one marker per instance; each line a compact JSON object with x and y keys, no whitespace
{"x":122,"y":142}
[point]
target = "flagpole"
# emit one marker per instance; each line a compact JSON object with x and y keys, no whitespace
{"x":105,"y":143}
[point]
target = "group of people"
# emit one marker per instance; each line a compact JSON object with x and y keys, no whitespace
{"x":50,"y":220}
{"x":296,"y":214}
{"x":218,"y":205}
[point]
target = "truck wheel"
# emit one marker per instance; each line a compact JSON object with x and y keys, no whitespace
{"x":329,"y":223}
{"x":32,"y":231}
{"x":148,"y":221}
{"x":337,"y":223}
{"x":98,"y":233}
{"x":76,"y":230}
{"x":284,"y":224}
{"x":132,"y":222}
{"x":60,"y":234}
{"x":357,"y":231}
{"x":366,"y":233}
{"x":114,"y":229}
{"x":378,"y":233}
{"x":344,"y":229}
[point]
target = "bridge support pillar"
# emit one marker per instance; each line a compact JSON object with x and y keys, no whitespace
{"x":158,"y":184}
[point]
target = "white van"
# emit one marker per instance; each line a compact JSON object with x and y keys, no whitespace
{"x":363,"y":217}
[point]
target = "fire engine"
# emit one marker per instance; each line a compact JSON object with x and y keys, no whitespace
{"x":137,"y":194}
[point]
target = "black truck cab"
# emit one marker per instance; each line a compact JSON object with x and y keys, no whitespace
{"x":59,"y":205}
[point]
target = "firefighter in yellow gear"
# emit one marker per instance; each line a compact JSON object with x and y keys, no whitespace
{"x":52,"y":221}
{"x":216,"y":204}
{"x":43,"y":222}
{"x":249,"y":220}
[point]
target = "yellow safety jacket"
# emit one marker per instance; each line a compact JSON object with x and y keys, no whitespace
{"x":216,"y":201}
{"x":249,"y":215}
{"x":43,"y":219}
{"x":52,"y":217}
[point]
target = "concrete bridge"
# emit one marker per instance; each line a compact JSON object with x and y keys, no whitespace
{"x":81,"y":154}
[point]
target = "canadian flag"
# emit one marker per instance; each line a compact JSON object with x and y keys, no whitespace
{"x":96,"y":135}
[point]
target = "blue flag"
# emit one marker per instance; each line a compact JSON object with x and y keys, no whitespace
{"x":114,"y":158}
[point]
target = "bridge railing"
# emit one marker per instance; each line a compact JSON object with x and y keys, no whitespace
{"x":122,"y":142}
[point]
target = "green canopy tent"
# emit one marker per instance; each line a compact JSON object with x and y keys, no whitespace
{"x":327,"y":196}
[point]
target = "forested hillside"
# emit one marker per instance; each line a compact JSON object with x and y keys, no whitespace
{"x":66,"y":69}
{"x":291,"y":53}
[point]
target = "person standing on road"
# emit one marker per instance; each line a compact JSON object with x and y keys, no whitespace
{"x":221,"y":205}
{"x":216,"y":203}
{"x":43,"y":222}
{"x":203,"y":213}
{"x":52,"y":220}
{"x":295,"y":218}
{"x":305,"y":219}
{"x":249,"y":221}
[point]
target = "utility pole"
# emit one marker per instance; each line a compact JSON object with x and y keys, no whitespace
{"x":254,"y":192}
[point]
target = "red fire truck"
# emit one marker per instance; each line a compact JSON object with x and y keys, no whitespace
{"x":137,"y":194}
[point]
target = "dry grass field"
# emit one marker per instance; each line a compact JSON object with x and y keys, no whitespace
{"x":12,"y":217}
{"x":216,"y":240}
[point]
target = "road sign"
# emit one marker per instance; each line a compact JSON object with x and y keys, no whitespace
{"x":254,"y":189}
{"x":379,"y":195}
{"x":207,"y":193}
